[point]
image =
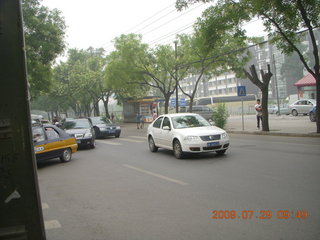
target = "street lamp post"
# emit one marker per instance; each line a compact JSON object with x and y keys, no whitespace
{"x":276,"y":83}
{"x":176,"y":75}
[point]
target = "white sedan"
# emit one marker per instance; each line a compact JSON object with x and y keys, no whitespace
{"x":186,"y":132}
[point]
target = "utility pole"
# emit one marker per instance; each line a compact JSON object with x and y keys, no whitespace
{"x":276,"y":83}
{"x":176,"y":75}
{"x":20,"y":205}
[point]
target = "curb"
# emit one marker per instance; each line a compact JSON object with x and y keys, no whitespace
{"x":315,"y":135}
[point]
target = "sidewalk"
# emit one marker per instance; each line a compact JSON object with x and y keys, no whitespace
{"x":284,"y":125}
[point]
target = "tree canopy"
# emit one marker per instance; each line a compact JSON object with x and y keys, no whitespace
{"x":44,"y":36}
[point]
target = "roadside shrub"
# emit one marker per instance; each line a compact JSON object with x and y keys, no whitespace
{"x":220,"y":115}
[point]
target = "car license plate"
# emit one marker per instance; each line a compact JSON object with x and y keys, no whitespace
{"x":211,"y":144}
{"x":112,"y":131}
{"x":78,"y":141}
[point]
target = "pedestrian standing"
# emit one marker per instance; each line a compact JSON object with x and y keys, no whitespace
{"x":112,"y":117}
{"x":258,"y":109}
{"x":138,"y":120}
{"x":141,"y":122}
{"x":154,"y":115}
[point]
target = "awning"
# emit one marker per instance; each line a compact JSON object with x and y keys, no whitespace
{"x":307,"y":80}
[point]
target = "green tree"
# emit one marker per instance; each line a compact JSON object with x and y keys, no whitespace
{"x":79,"y":82}
{"x":220,"y":115}
{"x":121,"y":72}
{"x":204,"y":59}
{"x":44,"y":36}
{"x":282,"y":19}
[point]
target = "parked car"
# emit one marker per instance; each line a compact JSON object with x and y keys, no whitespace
{"x":312,"y":114}
{"x":82,"y":130}
{"x":301,"y":106}
{"x":104,"y":127}
{"x":284,"y":109}
{"x":202,"y":110}
{"x":186,"y":132}
{"x":52,"y":142}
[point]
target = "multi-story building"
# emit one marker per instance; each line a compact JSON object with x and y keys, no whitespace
{"x":286,"y":71}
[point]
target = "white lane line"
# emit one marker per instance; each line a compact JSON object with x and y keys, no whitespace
{"x":109,"y":142}
{"x":156,"y":175}
{"x":130,"y":140}
{"x":44,"y":206}
{"x":139,"y":137}
{"x":52,"y":224}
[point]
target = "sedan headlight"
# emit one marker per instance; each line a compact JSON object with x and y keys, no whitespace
{"x":224,"y":135}
{"x":191,"y":138}
{"x":88,"y":135}
{"x":103,"y":129}
{"x":118,"y":127}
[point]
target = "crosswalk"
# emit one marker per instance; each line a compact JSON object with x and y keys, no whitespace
{"x":122,"y":140}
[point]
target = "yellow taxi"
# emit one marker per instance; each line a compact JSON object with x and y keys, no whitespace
{"x":52,"y":142}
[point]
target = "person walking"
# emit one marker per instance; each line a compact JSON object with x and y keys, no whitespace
{"x":112,"y":117}
{"x":258,"y":109}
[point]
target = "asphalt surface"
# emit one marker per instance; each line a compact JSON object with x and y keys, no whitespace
{"x":120,"y":190}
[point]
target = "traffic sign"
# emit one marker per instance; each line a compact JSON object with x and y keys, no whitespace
{"x":182,"y":102}
{"x":172,"y":102}
{"x":241,"y":91}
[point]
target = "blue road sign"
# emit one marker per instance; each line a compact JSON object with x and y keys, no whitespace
{"x":241,"y":91}
{"x":172,"y":102}
{"x":182,"y":102}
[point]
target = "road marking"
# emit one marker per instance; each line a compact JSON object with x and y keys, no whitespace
{"x":139,"y":137}
{"x":130,"y":140}
{"x":52,"y":224}
{"x":109,"y":142}
{"x":44,"y":206}
{"x":156,"y":175}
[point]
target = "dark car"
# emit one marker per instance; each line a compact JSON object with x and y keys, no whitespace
{"x":103,"y":127}
{"x":82,"y":130}
{"x":52,"y":142}
{"x":312,"y":114}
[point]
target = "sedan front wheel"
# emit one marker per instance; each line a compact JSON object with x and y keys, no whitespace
{"x":152,"y":145}
{"x":312,"y":117}
{"x":177,"y":149}
{"x":294,"y":112}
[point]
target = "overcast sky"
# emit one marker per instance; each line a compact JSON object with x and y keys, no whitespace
{"x":96,"y":23}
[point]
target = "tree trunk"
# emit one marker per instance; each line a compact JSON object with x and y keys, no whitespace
{"x":318,"y":103}
{"x":166,"y":104}
{"x":190,"y":104}
{"x":263,"y":86}
{"x":96,"y":110}
{"x":106,"y":108}
{"x":265,"y":114}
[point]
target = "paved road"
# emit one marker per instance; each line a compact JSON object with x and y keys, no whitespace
{"x":122,"y":191}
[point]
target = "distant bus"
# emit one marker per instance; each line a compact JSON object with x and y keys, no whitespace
{"x":233,"y":103}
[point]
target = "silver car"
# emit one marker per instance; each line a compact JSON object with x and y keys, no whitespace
{"x":301,"y":106}
{"x":284,"y":109}
{"x":186,"y":132}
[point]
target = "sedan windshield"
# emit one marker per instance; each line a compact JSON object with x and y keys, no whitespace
{"x":100,"y":120}
{"x":78,"y":124}
{"x":189,"y":121}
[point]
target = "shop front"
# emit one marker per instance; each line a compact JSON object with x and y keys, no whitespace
{"x":146,"y":107}
{"x":306,"y":87}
